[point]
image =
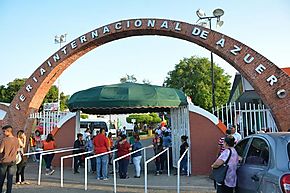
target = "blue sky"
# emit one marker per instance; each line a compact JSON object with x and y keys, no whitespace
{"x":27,"y":30}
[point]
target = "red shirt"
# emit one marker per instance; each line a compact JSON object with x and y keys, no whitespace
{"x":123,"y":149}
{"x":101,"y":144}
{"x":48,"y":145}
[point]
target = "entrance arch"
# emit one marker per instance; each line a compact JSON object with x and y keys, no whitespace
{"x":267,"y":79}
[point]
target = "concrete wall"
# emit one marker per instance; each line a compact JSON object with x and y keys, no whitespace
{"x":204,"y":136}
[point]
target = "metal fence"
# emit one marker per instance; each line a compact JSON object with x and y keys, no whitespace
{"x":249,"y":118}
{"x":48,"y":120}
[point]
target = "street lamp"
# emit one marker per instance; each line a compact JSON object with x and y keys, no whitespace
{"x":59,"y":40}
{"x":217,"y":13}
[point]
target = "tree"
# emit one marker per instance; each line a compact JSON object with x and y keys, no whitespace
{"x":128,"y":78}
{"x":193,"y":76}
{"x":8,"y":92}
{"x":84,"y":116}
{"x":149,"y":119}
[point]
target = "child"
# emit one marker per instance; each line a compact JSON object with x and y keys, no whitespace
{"x":158,"y":147}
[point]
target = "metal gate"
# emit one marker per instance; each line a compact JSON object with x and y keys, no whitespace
{"x":248,"y":118}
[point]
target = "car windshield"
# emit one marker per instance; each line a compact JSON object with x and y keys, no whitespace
{"x":288,"y":149}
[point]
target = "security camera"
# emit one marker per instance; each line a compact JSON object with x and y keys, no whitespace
{"x":281,"y":93}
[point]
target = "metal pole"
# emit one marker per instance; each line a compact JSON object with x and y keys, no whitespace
{"x":115,"y":177}
{"x":168,"y":165}
{"x":61,"y":172}
{"x":178,"y":176}
{"x":223,"y":120}
{"x":227,"y":114}
{"x":86,"y":174}
{"x":235,"y":115}
{"x":145,"y":178}
{"x":264,"y":115}
{"x":251,"y":117}
{"x":188,"y":154}
{"x":247,"y":124}
{"x":144,"y":156}
{"x":212,"y":73}
{"x":255,"y":119}
{"x":231,"y":114}
{"x":39,"y":169}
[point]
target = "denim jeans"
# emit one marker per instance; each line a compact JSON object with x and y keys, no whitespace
{"x":102,"y":162}
{"x":7,"y":169}
{"x":137,"y":161}
{"x":183,"y":165}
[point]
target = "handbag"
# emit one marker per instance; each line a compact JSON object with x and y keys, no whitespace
{"x":219,"y":174}
{"x":18,"y":157}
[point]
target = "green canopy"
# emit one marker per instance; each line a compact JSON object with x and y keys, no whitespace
{"x":126,"y":98}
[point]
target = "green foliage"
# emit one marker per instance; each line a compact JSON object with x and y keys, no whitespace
{"x":84,"y":116}
{"x":128,"y":78}
{"x":193,"y":76}
{"x":150,"y":118}
{"x":8,"y":92}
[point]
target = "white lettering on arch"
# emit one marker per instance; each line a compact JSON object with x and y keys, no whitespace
{"x":272,"y":79}
{"x":138,"y":23}
{"x":236,"y":50}
{"x":106,"y":30}
{"x":204,"y":34}
{"x":83,"y":39}
{"x":22,"y":98}
{"x":118,"y":26}
{"x":94,"y":34}
{"x":177,"y":26}
{"x":164,"y":25}
{"x":196,"y":31}
{"x":221,"y":42}
{"x":48,"y":63}
{"x":17,"y":106}
{"x":247,"y":60}
{"x":56,"y":57}
{"x":73,"y":45}
{"x":28,"y":88}
{"x":151,"y":23}
{"x":42,"y":71}
{"x":64,"y":50}
{"x":260,"y":69}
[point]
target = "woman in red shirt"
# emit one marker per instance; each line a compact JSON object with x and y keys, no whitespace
{"x":48,"y":144}
{"x":123,"y":149}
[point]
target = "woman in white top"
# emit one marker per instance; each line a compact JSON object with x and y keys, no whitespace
{"x":21,"y":166}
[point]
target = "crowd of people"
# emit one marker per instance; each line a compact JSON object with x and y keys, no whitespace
{"x":102,"y":145}
{"x":13,"y":161}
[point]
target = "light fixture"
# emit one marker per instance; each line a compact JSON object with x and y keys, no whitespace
{"x":200,"y":13}
{"x":218,"y":12}
{"x":203,"y":24}
{"x":219,"y":23}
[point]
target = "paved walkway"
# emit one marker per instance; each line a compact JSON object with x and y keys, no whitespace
{"x":74,"y":183}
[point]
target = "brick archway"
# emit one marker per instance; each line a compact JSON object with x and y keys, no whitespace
{"x":266,"y":78}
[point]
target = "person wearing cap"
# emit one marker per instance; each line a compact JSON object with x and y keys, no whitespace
{"x":235,"y":134}
{"x":221,"y":147}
